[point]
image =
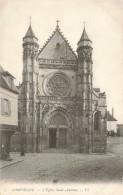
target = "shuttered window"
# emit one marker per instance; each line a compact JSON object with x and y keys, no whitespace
{"x":5,"y":107}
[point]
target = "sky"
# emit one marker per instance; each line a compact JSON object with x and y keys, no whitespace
{"x":104,"y":26}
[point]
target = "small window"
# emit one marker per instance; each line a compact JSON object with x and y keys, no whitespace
{"x":57,"y":45}
{"x":6,"y":106}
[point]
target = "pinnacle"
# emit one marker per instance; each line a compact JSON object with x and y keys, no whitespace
{"x":30,"y":32}
{"x":84,"y":36}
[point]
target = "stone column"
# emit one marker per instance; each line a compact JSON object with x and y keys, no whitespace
{"x":41,"y":128}
{"x":57,"y":138}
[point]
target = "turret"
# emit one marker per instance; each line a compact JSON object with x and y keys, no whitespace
{"x":85,"y":70}
{"x":84,"y":51}
{"x":30,"y":37}
{"x":30,"y":63}
{"x":84,"y":40}
{"x":30,"y":85}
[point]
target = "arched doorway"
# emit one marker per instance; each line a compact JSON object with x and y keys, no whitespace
{"x":58,"y":127}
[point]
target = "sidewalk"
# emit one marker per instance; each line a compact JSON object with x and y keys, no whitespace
{"x":15,"y":159}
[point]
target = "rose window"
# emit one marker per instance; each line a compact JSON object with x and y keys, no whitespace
{"x":58,"y":85}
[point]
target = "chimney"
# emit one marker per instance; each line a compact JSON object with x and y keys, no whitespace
{"x":113,"y":112}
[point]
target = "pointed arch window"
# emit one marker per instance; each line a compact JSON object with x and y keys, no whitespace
{"x":97,"y":121}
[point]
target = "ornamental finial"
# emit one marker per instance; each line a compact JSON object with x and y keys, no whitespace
{"x":30,"y":20}
{"x":57,"y":23}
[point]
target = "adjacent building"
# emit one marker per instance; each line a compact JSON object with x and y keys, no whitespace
{"x":120,"y":130}
{"x":8,"y":111}
{"x":111,"y":122}
{"x":59,"y":108}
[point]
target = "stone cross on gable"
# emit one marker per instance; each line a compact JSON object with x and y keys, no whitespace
{"x":30,"y":20}
{"x":57,"y":23}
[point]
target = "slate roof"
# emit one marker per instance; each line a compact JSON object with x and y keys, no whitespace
{"x":84,"y":36}
{"x":110,"y":117}
{"x":6,"y":73}
{"x":96,"y":89}
{"x":30,"y":33}
{"x":57,"y":30}
{"x":3,"y":82}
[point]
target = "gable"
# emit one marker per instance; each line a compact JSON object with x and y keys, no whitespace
{"x":4,"y":84}
{"x":57,"y":48}
{"x":110,"y":117}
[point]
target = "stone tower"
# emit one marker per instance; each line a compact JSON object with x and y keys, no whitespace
{"x":84,"y":79}
{"x":29,"y":90}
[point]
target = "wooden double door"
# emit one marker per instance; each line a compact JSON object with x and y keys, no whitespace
{"x":58,"y":138}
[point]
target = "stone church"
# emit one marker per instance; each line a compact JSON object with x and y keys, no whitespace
{"x":58,"y":106}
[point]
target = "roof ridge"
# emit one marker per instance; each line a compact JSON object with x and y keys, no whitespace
{"x":8,"y":87}
{"x":50,"y":37}
{"x":67,"y":42}
{"x":111,"y":118}
{"x":48,"y":40}
{"x":6,"y":73}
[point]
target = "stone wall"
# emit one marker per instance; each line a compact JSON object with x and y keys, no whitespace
{"x":99,"y":142}
{"x":16,"y":142}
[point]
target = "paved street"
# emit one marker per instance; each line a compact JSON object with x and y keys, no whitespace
{"x":63,"y":168}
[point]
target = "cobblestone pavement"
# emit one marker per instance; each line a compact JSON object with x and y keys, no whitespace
{"x":15,"y":158}
{"x":115,"y":145}
{"x":63,"y":168}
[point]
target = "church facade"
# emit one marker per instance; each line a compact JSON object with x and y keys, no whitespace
{"x":58,"y":106}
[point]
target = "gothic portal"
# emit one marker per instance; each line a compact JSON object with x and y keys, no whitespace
{"x":59,"y":106}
